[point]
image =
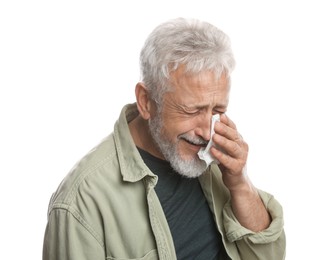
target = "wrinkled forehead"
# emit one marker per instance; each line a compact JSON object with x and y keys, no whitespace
{"x":181,"y":76}
{"x":191,"y":70}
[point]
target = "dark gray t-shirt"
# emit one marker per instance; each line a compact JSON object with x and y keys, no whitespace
{"x":190,"y":219}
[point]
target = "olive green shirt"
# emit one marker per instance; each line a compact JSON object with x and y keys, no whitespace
{"x":107,"y":208}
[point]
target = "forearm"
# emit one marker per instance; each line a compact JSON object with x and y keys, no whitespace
{"x":246,"y":203}
{"x":249,"y":209}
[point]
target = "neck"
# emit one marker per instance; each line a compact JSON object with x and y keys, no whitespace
{"x":142,"y":138}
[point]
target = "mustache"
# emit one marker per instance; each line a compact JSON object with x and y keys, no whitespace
{"x":196,"y":140}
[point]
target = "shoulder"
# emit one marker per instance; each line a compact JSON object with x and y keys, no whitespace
{"x":90,"y":172}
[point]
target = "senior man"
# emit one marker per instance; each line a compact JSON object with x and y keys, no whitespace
{"x":144,"y":192}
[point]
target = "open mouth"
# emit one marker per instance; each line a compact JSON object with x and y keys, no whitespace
{"x":198,"y":143}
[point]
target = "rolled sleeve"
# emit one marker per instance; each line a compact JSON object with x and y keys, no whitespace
{"x":235,"y":231}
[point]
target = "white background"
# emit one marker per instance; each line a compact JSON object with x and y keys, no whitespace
{"x":67,"y":68}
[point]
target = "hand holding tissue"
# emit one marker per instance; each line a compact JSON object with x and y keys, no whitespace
{"x":204,"y":153}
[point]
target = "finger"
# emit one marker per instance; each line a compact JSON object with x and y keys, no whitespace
{"x":231,"y":147}
{"x":222,"y":129}
{"x":227,"y":121}
{"x":231,"y":164}
{"x":227,"y":161}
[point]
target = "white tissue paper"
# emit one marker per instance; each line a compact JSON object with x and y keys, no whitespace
{"x":204,"y":153}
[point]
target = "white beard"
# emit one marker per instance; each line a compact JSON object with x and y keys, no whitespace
{"x":191,"y":168}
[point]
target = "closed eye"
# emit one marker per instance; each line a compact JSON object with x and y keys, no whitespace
{"x":194,"y":112}
{"x":218,"y":112}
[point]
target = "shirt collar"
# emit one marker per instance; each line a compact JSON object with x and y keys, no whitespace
{"x":131,"y":164}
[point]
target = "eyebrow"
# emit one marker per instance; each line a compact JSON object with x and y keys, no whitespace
{"x":187,"y":107}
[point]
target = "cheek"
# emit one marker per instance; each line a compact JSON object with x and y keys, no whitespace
{"x":175,"y":128}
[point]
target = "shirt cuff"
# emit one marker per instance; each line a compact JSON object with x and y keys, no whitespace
{"x":235,"y":231}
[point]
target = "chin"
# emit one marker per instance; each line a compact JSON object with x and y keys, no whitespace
{"x":189,"y":156}
{"x":188,"y":165}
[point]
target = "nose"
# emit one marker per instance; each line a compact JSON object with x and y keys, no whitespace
{"x":203,"y":128}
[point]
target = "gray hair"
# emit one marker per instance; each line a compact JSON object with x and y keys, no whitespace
{"x":198,"y":45}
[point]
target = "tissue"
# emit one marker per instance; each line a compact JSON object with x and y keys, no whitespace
{"x":204,"y":153}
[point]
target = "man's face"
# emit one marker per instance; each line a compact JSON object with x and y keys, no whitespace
{"x":183,"y":125}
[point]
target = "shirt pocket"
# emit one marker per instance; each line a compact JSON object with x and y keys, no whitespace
{"x":151,"y":255}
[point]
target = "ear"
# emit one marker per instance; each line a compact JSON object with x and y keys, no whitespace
{"x":143,"y":100}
